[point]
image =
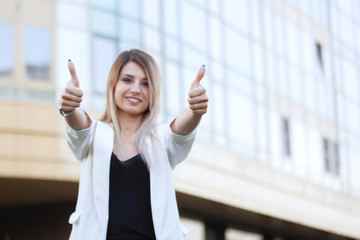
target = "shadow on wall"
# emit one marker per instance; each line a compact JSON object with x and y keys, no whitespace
{"x":36,"y":222}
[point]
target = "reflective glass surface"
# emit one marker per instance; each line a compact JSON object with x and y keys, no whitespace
{"x":37,"y":51}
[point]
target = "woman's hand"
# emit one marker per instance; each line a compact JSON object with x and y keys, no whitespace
{"x":70,"y":100}
{"x":71,"y":96}
{"x":190,"y":118}
{"x":198,"y":100}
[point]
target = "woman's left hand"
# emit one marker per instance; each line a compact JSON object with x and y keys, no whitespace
{"x":198,"y":100}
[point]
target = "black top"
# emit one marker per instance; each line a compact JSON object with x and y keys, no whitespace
{"x":129,"y":200}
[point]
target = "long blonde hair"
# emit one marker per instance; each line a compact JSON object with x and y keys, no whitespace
{"x":150,"y":116}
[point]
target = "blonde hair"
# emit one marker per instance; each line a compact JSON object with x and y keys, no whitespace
{"x":148,"y":123}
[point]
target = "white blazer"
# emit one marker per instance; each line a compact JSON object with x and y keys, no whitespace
{"x":90,"y":219}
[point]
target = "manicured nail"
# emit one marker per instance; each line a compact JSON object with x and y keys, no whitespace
{"x":69,"y":60}
{"x":203,"y":65}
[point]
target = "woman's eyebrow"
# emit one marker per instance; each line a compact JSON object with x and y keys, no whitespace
{"x":131,"y":76}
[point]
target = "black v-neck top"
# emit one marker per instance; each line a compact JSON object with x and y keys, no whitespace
{"x":129,"y":200}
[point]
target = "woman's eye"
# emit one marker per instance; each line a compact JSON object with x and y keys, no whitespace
{"x":146,"y":83}
{"x":126,"y":79}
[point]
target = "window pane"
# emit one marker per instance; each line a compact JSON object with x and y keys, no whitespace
{"x":236,"y":13}
{"x":193,"y":25}
{"x":170,"y":14}
{"x":152,"y":39}
{"x":37,"y":43}
{"x":172,"y":89}
{"x":292,"y":40}
{"x":216,"y":37}
{"x":237,"y":50}
{"x":104,"y":23}
{"x":130,"y":8}
{"x":241,"y":126}
{"x":151,"y":12}
{"x":171,"y":48}
{"x":6,"y":49}
{"x":107,"y":4}
{"x":104,"y":56}
{"x":130,"y":30}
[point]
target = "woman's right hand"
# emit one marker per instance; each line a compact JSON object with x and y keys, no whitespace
{"x":71,"y":96}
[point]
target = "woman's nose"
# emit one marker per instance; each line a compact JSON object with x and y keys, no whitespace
{"x":135,"y":87}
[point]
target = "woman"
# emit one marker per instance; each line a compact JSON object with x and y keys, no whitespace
{"x":126,"y":189}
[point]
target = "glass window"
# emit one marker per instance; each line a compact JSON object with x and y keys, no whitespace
{"x":239,"y":82}
{"x":237,"y":50}
{"x":37,"y":44}
{"x":285,"y":132}
{"x":315,"y":154}
{"x":193,"y":25}
{"x":193,"y":58}
{"x":236,"y":13}
{"x":215,"y":38}
{"x":130,"y":30}
{"x":172,"y":89}
{"x":106,"y":4}
{"x":308,"y":52}
{"x":283,"y":79}
{"x":347,"y":30}
{"x":151,"y":12}
{"x":129,"y":8}
{"x":152,"y":39}
{"x":279,"y":34}
{"x":296,"y":84}
{"x":219,"y":109}
{"x":331,"y":156}
{"x":298,"y":147}
{"x":353,"y":117}
{"x":268,"y":27}
{"x":350,"y":80}
{"x":258,"y":65}
{"x":275,"y":135}
{"x":270,"y":75}
{"x":354,"y":172}
{"x":311,"y":92}
{"x":255,"y":19}
{"x":292,"y":40}
{"x":214,"y":6}
{"x":104,"y":23}
{"x":171,"y":48}
{"x":241,"y":123}
{"x":262,"y":127}
{"x":104,"y":54}
{"x":170,"y":14}
{"x":6,"y":49}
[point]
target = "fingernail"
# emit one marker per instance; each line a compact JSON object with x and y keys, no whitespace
{"x":69,"y":60}
{"x":203,"y":65}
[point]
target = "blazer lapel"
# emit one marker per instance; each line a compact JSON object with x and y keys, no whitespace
{"x":103,"y":147}
{"x":158,"y":190}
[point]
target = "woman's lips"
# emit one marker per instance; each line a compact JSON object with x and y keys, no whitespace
{"x":133,"y":100}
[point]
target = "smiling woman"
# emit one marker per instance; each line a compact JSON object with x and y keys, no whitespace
{"x":126,"y":188}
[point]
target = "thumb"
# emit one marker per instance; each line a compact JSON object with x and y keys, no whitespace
{"x":72,"y":71}
{"x":198,"y":77}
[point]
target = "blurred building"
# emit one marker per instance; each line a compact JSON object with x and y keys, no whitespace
{"x":278,"y":153}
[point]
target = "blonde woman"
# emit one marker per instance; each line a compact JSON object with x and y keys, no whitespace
{"x":126,"y":189}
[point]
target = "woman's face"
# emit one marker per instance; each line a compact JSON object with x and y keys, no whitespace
{"x":132,"y":93}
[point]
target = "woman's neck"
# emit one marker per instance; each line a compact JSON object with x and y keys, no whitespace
{"x":129,"y":124}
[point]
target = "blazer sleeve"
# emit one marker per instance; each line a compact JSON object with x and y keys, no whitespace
{"x":177,"y":146}
{"x":79,"y":141}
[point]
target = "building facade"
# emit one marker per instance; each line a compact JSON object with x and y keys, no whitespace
{"x":277,"y":154}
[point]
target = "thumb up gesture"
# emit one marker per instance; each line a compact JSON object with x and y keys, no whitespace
{"x":198,"y":100}
{"x":71,"y":96}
